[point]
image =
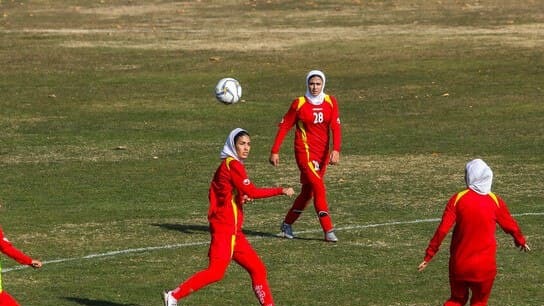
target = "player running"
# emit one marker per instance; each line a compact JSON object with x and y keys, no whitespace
{"x":230,"y":190}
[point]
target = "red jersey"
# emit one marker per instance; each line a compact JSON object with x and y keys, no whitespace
{"x":229,"y":185}
{"x":313,"y":125}
{"x":473,"y":245}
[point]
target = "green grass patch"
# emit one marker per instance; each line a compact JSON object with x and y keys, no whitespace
{"x":111,"y":134}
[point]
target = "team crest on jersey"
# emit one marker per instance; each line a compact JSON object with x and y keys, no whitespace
{"x":246,"y":182}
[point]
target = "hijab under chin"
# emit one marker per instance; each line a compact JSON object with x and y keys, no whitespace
{"x":479,"y":176}
{"x":229,"y":149}
{"x":316,"y":100}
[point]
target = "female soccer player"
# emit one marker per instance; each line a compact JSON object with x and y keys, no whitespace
{"x":230,"y":190}
{"x":7,"y":248}
{"x":315,"y":116}
{"x":474,"y":211}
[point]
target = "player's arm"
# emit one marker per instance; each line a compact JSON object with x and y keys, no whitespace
{"x":247,"y":188}
{"x":284,"y":126}
{"x":7,"y":248}
{"x":336,"y":131}
{"x":510,"y":226}
{"x":447,"y":221}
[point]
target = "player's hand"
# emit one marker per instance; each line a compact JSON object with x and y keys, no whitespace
{"x":246,"y":199}
{"x":422,"y":266}
{"x":36,"y":264}
{"x":288,"y":191}
{"x":334,"y":158}
{"x":274,"y":159}
{"x":524,"y":248}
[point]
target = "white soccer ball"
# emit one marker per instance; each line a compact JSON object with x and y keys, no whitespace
{"x":228,"y":91}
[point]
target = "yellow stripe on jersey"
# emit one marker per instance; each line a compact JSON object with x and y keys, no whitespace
{"x":234,"y":210}
{"x":306,"y":147}
{"x":301,"y":101}
{"x":232,"y":243}
{"x":459,"y":196}
{"x":328,"y":99}
{"x":235,"y":191}
{"x":462,"y":193}
{"x":494,"y":197}
{"x":235,"y":214}
{"x":228,"y":160}
{"x":312,"y":167}
{"x":300,"y":125}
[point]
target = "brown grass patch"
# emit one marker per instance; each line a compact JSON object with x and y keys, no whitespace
{"x":197,"y":26}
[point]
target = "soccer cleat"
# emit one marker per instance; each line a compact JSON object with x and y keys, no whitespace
{"x":168,"y":299}
{"x":330,"y":236}
{"x":287,"y":230}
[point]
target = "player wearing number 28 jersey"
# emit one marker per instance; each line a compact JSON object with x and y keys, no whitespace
{"x":316,"y":118}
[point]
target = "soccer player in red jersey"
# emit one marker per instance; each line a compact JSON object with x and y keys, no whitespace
{"x":230,"y":190}
{"x":7,"y":248}
{"x":316,"y":118}
{"x":474,"y":211}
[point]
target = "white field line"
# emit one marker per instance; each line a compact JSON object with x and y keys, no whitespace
{"x":183,"y":245}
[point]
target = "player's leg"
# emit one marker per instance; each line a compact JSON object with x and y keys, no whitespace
{"x":459,"y":293}
{"x":300,"y":203}
{"x":315,"y":172}
{"x":220,"y":253}
{"x":213,"y":273}
{"x":481,"y":292}
{"x":246,"y":257}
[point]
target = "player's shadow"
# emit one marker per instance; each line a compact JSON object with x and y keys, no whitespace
{"x":183,"y":228}
{"x":191,"y":228}
{"x":92,"y":302}
{"x":301,"y":238}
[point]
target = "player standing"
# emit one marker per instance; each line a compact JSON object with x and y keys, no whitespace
{"x":316,"y":117}
{"x":474,"y":211}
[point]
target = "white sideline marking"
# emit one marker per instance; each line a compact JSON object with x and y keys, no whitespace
{"x":181,"y":245}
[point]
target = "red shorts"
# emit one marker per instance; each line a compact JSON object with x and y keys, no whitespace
{"x":227,"y":247}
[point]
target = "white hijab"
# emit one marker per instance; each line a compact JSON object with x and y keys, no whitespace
{"x":479,"y":176}
{"x":315,"y":100}
{"x":229,"y":149}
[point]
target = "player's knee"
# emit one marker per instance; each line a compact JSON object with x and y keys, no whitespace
{"x":217,"y":269}
{"x":215,"y":275}
{"x":259,"y":276}
{"x":257,"y":270}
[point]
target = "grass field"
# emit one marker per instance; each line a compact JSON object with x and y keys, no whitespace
{"x":110,"y":134}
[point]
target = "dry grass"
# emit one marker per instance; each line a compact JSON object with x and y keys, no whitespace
{"x":186,"y":26}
